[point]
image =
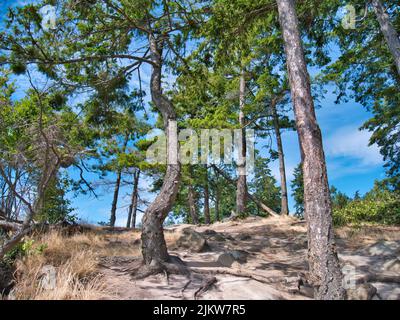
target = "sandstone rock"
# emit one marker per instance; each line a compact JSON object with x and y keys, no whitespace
{"x":239,"y":255}
{"x":213,"y":235}
{"x":226,"y":259}
{"x":384,"y":248}
{"x":364,"y":291}
{"x":244,"y":237}
{"x":392,"y":265}
{"x":192,"y":240}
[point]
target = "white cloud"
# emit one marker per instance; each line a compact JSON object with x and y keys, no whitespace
{"x":352,"y":143}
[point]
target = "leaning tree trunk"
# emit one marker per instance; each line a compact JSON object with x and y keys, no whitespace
{"x":207,"y":218}
{"x":241,"y":188}
{"x":389,"y":32}
{"x":131,"y":221}
{"x":154,"y":248}
{"x":282,"y":170}
{"x":324,"y":267}
{"x":113,"y":215}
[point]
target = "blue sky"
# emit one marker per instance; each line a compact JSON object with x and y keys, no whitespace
{"x":352,"y":164}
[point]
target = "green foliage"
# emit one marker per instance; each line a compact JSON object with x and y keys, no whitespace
{"x":264,"y":185}
{"x":56,"y":207}
{"x":380,"y":205}
{"x":297,"y":186}
{"x":24,"y":248}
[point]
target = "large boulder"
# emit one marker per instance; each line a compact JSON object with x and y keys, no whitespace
{"x":191,"y":240}
{"x":226,"y":259}
{"x":213,"y":235}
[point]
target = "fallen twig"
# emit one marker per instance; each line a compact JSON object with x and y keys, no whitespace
{"x":205,"y":287}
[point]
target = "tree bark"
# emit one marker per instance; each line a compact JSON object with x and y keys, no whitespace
{"x":241,"y":189}
{"x":207,"y":218}
{"x":194,"y":217}
{"x":154,"y":248}
{"x":325,"y":272}
{"x":282,"y":169}
{"x":113,"y":215}
{"x":131,"y":222}
{"x":216,"y":205}
{"x":192,"y":205}
{"x":389,"y":32}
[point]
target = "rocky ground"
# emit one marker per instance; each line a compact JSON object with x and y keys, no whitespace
{"x":258,"y":258}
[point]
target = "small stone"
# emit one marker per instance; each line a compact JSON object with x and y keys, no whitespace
{"x":226,"y":260}
{"x":192,"y":240}
{"x":239,"y":255}
{"x":364,"y":291}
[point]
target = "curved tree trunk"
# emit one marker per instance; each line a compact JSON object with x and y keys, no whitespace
{"x":154,"y":248}
{"x":325,"y":272}
{"x":282,"y":169}
{"x":131,"y":221}
{"x":241,"y":188}
{"x":389,"y":32}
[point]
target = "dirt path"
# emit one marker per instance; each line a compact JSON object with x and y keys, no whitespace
{"x":273,"y":250}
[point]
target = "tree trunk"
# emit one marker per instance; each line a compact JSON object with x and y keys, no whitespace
{"x":389,"y":32}
{"x":216,"y":205}
{"x":325,"y":272}
{"x":113,"y":215}
{"x":194,"y":217}
{"x":282,"y":170}
{"x":207,"y":219}
{"x":131,"y":222}
{"x":241,"y":189}
{"x":192,"y":205}
{"x":154,"y":248}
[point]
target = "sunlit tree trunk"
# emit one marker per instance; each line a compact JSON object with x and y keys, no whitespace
{"x":241,"y":188}
{"x":192,"y":197}
{"x":389,"y":32}
{"x":281,"y":156}
{"x":131,"y":221}
{"x":207,"y":218}
{"x":324,"y":267}
{"x":154,"y":248}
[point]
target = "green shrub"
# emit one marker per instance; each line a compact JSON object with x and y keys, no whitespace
{"x":380,"y":205}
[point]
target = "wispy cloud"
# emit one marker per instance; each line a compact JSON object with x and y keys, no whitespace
{"x":352,"y":143}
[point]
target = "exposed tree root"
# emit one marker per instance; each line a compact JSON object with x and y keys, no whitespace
{"x":205,"y":287}
{"x":237,"y":273}
{"x":379,"y":277}
{"x":185,"y":287}
{"x":173,"y":266}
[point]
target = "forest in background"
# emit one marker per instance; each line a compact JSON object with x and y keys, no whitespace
{"x":214,"y":65}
